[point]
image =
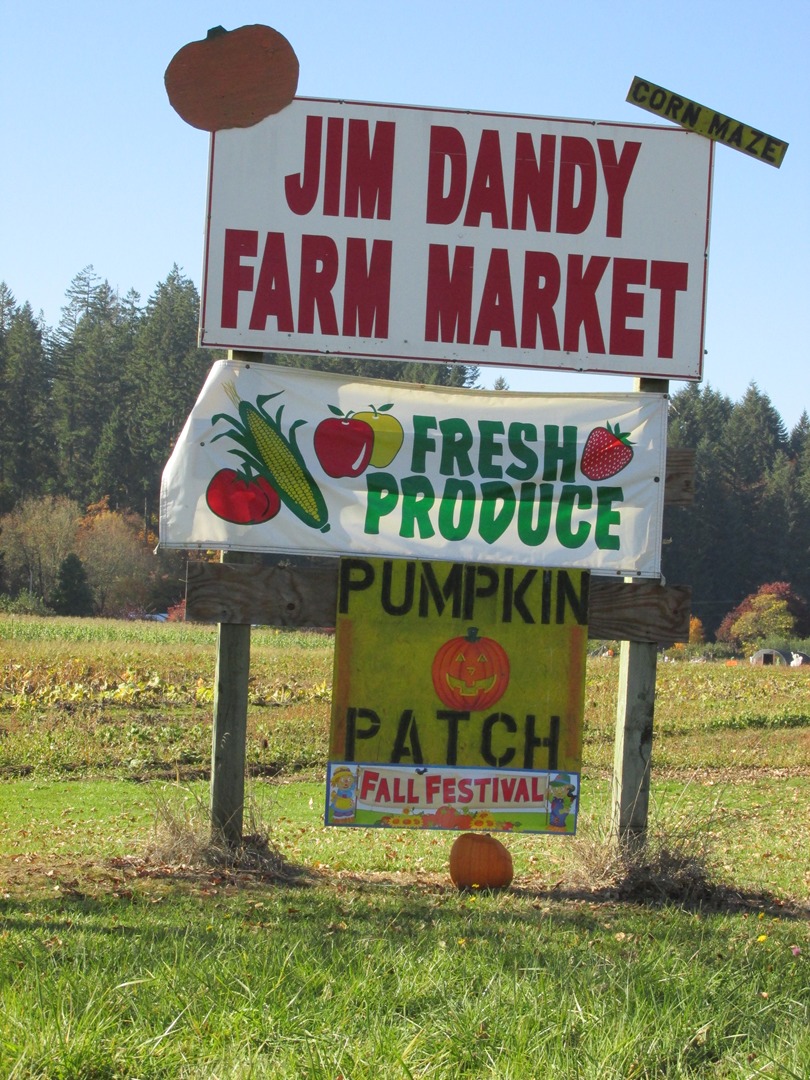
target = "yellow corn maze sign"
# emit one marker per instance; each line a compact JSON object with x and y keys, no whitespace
{"x":704,"y":121}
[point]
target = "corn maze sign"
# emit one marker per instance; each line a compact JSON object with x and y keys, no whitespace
{"x":457,"y":696}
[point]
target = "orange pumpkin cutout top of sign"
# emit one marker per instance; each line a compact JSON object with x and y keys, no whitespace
{"x":232,"y":78}
{"x":470,"y":673}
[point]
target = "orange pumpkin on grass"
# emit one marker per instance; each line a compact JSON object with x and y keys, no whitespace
{"x":479,"y":860}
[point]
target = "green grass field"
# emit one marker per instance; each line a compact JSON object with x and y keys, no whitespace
{"x":343,"y":953}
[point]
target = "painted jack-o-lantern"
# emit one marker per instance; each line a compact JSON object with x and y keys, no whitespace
{"x":470,"y":673}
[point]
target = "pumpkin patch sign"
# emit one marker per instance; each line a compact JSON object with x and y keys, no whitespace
{"x":457,"y":696}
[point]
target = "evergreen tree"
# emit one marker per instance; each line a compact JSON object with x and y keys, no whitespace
{"x":72,"y":595}
{"x":800,"y":436}
{"x":26,"y":435}
{"x":168,"y":372}
{"x":753,"y":442}
{"x":698,"y":413}
{"x":779,"y":513}
{"x":8,"y":310}
{"x":748,"y":522}
{"x":93,"y":350}
{"x":78,"y":298}
{"x":8,"y":307}
{"x":754,"y":436}
{"x":695,"y":535}
{"x":111,"y":473}
{"x":800,"y":545}
{"x":428,"y":374}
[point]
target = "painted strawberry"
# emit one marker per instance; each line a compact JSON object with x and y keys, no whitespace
{"x":607,"y":451}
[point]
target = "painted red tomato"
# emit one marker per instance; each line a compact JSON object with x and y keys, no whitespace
{"x":343,"y":445}
{"x":470,"y":673}
{"x":235,"y":498}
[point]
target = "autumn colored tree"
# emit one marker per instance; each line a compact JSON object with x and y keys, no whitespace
{"x":768,"y":619}
{"x":118,"y":561}
{"x":697,"y":635}
{"x":35,"y":538}
{"x":773,"y":611}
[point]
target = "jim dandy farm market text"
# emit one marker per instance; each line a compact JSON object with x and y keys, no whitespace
{"x":426,"y":234}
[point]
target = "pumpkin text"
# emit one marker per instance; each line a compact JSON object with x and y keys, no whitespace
{"x":522,"y":594}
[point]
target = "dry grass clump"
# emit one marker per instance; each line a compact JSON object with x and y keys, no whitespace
{"x":673,"y":863}
{"x":182,"y":837}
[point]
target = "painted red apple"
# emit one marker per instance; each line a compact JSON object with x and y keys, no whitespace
{"x":237,"y":498}
{"x":343,"y":445}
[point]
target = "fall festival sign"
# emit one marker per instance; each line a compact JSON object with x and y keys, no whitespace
{"x":423,"y":234}
{"x":457,"y":696}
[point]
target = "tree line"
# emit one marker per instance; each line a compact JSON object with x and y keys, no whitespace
{"x":89,"y":413}
{"x":750,"y":521}
{"x":90,"y":410}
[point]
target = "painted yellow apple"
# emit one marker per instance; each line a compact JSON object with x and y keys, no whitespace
{"x":388,"y":434}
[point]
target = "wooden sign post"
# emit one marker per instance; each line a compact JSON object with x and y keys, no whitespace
{"x":632,"y":747}
{"x":229,"y":736}
{"x":303,"y":593}
{"x":246,"y":588}
{"x":230,"y":728}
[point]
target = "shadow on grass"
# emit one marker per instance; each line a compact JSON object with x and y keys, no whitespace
{"x":635,"y":890}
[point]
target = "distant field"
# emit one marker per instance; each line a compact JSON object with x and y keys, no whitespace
{"x":134,"y":699}
{"x":102,"y":699}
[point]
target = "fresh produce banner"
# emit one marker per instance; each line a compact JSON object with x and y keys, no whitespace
{"x":286,"y":460}
{"x":410,"y":797}
{"x":457,"y":696}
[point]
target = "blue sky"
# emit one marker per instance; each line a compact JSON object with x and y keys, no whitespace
{"x":99,"y":169}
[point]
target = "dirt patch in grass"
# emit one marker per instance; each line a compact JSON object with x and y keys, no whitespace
{"x":122,"y":878}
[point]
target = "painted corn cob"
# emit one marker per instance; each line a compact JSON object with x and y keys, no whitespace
{"x":275,"y":456}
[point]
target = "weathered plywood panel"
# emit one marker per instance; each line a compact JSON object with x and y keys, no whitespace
{"x":679,"y":487}
{"x":305,"y":595}
{"x":280,"y":595}
{"x":639,"y":611}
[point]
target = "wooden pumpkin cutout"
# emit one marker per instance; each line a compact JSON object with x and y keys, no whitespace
{"x":232,"y":79}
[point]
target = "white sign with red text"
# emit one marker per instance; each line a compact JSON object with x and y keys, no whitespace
{"x":281,"y":459}
{"x":423,"y":234}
